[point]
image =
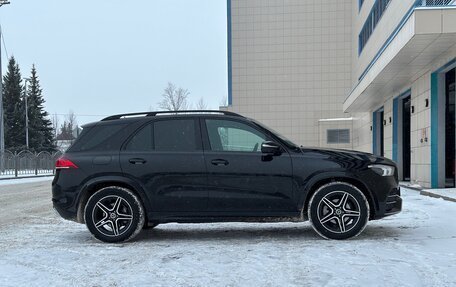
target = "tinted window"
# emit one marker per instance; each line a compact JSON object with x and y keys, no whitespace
{"x":175,"y":135}
{"x":99,"y":138}
{"x":227,"y":135}
{"x":143,"y":140}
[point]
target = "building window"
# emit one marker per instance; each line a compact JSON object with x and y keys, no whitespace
{"x":338,"y":136}
{"x":371,"y":22}
{"x":360,"y":4}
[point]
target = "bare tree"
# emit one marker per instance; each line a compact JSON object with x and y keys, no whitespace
{"x":55,"y":124}
{"x":71,"y":121}
{"x":174,"y":99}
{"x":201,"y":104}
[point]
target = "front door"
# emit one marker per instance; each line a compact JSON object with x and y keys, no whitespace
{"x":241,"y":180}
{"x":406,"y":127}
{"x":166,"y":158}
{"x":450,"y":126}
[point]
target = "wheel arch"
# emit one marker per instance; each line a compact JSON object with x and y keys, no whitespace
{"x":98,"y":183}
{"x":321,"y":180}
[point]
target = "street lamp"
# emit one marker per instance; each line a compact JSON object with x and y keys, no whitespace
{"x":26,"y":113}
{"x":2,"y":125}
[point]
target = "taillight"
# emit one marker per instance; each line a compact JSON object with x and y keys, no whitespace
{"x":64,"y":163}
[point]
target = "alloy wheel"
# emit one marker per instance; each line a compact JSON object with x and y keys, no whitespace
{"x":338,"y":212}
{"x":112,"y":215}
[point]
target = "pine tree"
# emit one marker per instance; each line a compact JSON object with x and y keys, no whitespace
{"x":40,"y":126}
{"x":13,"y":108}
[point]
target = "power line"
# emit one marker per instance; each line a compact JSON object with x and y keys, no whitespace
{"x":78,"y":115}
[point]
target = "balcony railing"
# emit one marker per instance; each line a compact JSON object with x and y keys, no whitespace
{"x":435,"y":2}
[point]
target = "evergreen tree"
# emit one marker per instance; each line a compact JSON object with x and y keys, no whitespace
{"x":40,"y":126}
{"x":14,"y":118}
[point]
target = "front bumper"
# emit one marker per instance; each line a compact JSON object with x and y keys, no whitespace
{"x":392,"y":205}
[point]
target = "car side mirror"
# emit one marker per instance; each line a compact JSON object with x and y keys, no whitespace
{"x":270,"y":148}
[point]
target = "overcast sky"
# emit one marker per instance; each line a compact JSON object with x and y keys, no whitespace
{"x":110,"y":56}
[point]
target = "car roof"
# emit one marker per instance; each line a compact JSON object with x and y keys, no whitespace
{"x":134,"y":117}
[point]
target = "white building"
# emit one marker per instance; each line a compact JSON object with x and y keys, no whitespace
{"x":371,"y":75}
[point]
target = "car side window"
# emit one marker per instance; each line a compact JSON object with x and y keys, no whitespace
{"x":142,"y":140}
{"x":165,"y":135}
{"x":226,"y":135}
{"x":175,"y":135}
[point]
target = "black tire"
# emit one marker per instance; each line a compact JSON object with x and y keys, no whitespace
{"x":114,"y":214}
{"x":338,"y":210}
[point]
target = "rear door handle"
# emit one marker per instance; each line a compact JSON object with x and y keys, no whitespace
{"x":137,"y":161}
{"x":219,"y":162}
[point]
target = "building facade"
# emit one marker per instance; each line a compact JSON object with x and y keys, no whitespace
{"x":370,"y":75}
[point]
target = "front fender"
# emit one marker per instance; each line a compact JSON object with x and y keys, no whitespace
{"x":306,"y":187}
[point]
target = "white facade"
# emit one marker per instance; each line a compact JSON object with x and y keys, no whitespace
{"x":290,"y":63}
{"x":309,"y":68}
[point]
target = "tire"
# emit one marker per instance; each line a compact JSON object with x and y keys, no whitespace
{"x":338,"y":210}
{"x":114,"y":214}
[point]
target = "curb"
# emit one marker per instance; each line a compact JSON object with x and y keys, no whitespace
{"x":434,"y":195}
{"x":429,"y":193}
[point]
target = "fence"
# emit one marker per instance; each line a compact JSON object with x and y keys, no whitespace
{"x":27,"y":163}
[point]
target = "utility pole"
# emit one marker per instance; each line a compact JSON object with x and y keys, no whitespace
{"x":26,"y":113}
{"x":2,"y":125}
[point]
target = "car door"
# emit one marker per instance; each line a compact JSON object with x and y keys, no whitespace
{"x":165,"y":156}
{"x":241,"y":180}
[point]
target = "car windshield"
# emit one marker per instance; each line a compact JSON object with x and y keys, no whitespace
{"x":287,"y":141}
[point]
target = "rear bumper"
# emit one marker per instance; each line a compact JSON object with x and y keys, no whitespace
{"x":63,"y":211}
{"x":63,"y":199}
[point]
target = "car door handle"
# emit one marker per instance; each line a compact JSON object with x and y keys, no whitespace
{"x":137,"y":161}
{"x":219,"y":162}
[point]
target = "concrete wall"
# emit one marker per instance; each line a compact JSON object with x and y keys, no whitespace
{"x":291,"y":63}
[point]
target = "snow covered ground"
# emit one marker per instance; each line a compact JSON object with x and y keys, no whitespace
{"x":414,"y":248}
{"x":30,"y":179}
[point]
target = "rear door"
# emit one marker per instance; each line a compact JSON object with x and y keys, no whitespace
{"x":166,"y":157}
{"x":241,"y":180}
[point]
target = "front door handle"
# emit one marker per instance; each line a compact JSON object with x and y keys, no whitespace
{"x":137,"y":161}
{"x":219,"y":162}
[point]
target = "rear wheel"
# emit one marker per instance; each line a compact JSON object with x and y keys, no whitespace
{"x":114,"y":214}
{"x":338,"y":210}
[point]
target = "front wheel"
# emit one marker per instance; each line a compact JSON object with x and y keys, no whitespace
{"x":114,"y":214}
{"x":338,"y":210}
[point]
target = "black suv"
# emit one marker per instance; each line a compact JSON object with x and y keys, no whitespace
{"x":134,"y":171}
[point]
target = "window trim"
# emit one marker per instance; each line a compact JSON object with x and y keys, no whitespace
{"x":198,"y":136}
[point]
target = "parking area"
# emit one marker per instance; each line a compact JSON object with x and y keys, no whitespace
{"x":37,"y":248}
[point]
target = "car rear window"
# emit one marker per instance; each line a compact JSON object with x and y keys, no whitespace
{"x":98,"y":138}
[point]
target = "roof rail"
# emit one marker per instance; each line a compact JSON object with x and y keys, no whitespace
{"x":153,"y":114}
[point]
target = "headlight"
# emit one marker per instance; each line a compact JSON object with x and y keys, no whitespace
{"x":383,"y":170}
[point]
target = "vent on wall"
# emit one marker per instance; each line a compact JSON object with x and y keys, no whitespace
{"x":338,"y":136}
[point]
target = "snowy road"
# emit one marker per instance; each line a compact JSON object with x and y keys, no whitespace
{"x":414,"y":248}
